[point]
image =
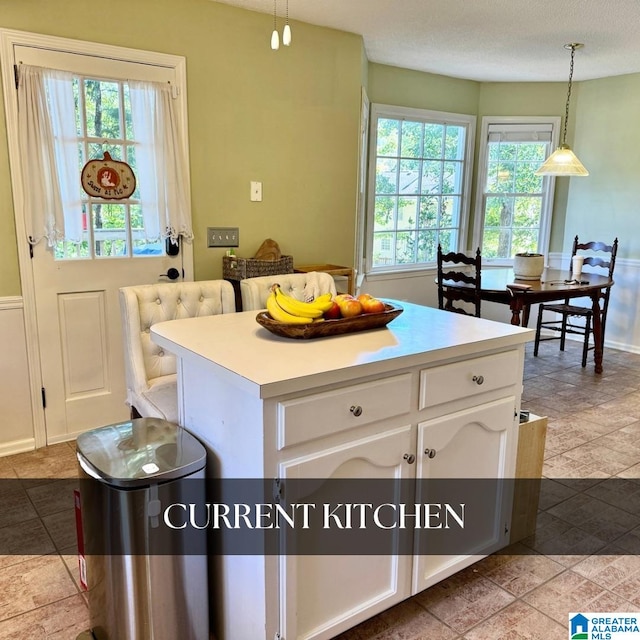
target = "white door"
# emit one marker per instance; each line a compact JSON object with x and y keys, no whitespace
{"x":80,"y":338}
{"x":470,"y":444}
{"x":73,"y":307}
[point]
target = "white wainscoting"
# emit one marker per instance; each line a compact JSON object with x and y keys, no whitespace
{"x":623,"y":320}
{"x":16,"y":425}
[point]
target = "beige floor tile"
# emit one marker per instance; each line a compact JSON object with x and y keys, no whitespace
{"x":62,"y":620}
{"x":518,"y":621}
{"x":53,"y":497}
{"x":569,"y":592}
{"x":16,"y":506}
{"x":55,"y":461}
{"x":32,"y":584}
{"x":62,"y":528}
{"x":23,"y":541}
{"x":519,"y":574}
{"x":609,"y":571}
{"x":408,"y":621}
{"x":464,"y":600}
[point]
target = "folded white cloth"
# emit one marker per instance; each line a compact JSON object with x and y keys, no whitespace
{"x":311,"y":287}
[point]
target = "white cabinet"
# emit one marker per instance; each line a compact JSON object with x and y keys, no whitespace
{"x":361,"y":431}
{"x":322,"y":595}
{"x":365,"y":406}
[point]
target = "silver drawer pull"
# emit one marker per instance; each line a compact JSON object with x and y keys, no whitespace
{"x":409,"y":457}
{"x":478,"y":379}
{"x":431,"y":453}
{"x":356,"y":409}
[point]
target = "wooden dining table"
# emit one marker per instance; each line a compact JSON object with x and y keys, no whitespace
{"x":498,"y":284}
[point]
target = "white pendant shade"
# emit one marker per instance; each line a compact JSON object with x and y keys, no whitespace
{"x":275,"y":40}
{"x":286,"y":35}
{"x":562,"y":162}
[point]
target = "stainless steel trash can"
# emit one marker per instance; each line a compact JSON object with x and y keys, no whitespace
{"x":145,"y":581}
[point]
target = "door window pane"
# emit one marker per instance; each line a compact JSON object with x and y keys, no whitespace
{"x":104,"y":124}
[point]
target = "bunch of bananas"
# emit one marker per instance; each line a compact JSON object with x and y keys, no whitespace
{"x":284,"y":308}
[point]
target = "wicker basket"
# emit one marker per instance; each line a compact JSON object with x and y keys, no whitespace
{"x":234,"y":268}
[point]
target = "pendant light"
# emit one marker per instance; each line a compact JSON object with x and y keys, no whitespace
{"x":275,"y":38}
{"x":286,"y":32}
{"x":563,"y":162}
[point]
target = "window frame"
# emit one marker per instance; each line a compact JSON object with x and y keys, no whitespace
{"x":430,"y":116}
{"x":548,"y":182}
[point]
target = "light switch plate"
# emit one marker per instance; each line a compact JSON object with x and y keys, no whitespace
{"x":256,"y":191}
{"x":223,"y":236}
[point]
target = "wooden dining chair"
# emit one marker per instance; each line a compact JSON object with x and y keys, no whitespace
{"x":568,"y":321}
{"x":456,"y":266}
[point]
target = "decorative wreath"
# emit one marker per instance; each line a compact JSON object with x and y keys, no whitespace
{"x":108,"y":178}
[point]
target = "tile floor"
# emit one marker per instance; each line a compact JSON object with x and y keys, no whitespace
{"x":593,"y":432}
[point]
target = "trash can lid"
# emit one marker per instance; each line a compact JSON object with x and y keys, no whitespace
{"x":135,"y":452}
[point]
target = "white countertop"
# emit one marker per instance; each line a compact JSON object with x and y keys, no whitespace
{"x":270,"y":365}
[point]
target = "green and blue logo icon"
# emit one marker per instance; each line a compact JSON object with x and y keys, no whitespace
{"x":579,"y":627}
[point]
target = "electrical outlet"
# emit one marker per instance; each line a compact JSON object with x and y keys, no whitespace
{"x":223,"y":236}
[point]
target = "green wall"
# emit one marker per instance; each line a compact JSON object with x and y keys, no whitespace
{"x":287,"y":118}
{"x":406,"y":88}
{"x":606,"y":204}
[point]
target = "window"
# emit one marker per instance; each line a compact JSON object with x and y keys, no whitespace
{"x":86,"y":106}
{"x":513,"y":204}
{"x":419,"y":173}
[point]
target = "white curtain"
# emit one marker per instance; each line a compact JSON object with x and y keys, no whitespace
{"x":50,"y":155}
{"x":51,"y":166}
{"x":161,"y":161}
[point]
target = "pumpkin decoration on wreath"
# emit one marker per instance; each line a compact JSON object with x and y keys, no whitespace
{"x":108,"y":178}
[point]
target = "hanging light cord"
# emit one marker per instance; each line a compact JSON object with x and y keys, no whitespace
{"x":566,"y":111}
{"x":275,"y":21}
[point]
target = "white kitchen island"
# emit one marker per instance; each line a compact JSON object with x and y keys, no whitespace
{"x":432,"y":395}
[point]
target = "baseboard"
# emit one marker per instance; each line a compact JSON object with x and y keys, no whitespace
{"x":17,"y":446}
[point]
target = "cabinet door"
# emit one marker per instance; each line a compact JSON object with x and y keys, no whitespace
{"x":463,"y":455}
{"x":323,"y":595}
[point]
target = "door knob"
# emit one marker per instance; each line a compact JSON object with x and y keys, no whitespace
{"x":172,"y":274}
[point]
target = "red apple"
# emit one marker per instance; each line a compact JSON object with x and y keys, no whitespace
{"x":371,"y":305}
{"x":349,"y":307}
{"x":332,"y":312}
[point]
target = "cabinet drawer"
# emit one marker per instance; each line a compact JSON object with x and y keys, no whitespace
{"x":322,"y":414}
{"x":468,"y":378}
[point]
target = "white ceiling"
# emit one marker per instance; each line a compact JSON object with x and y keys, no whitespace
{"x":484,"y":40}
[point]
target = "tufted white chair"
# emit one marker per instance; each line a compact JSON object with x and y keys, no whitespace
{"x":151,"y":372}
{"x":255,"y":291}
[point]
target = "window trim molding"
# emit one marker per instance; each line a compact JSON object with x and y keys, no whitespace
{"x":481,"y":179}
{"x":427,"y":115}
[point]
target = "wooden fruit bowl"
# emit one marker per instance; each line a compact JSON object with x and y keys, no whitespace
{"x":335,"y":327}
